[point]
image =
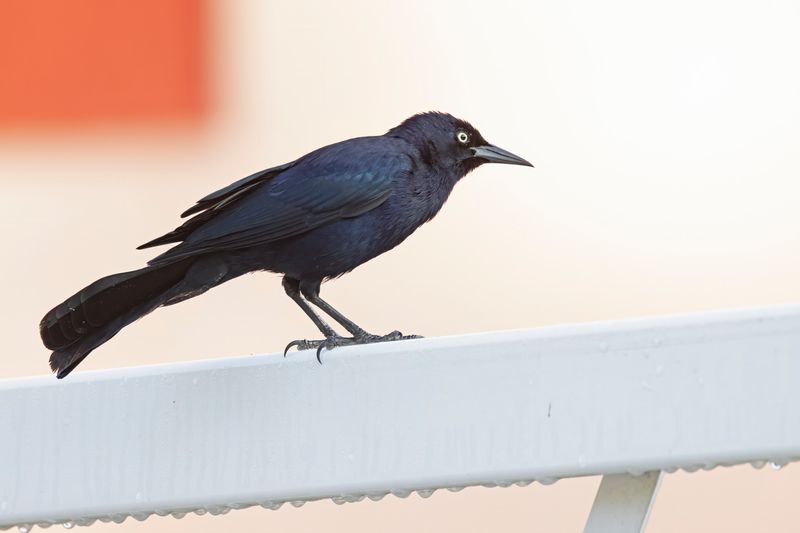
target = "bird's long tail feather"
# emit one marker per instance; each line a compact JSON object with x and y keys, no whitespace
{"x":98,"y":312}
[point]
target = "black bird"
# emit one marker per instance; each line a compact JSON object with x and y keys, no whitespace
{"x":311,"y":220}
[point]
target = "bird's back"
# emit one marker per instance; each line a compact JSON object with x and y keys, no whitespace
{"x":336,"y":182}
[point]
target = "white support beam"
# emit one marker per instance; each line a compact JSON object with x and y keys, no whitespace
{"x":621,"y":397}
{"x":623,"y":503}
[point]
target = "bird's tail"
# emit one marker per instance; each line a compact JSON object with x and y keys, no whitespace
{"x":98,"y":312}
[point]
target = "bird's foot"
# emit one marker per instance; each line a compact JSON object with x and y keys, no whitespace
{"x":331,"y":342}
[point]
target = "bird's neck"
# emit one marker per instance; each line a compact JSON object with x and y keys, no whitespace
{"x":429,"y":191}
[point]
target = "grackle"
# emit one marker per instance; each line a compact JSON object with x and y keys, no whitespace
{"x":311,"y":220}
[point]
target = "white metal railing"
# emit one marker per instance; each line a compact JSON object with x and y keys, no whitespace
{"x":625,"y":399}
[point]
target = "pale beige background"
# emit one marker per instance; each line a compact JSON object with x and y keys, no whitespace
{"x":665,"y":138}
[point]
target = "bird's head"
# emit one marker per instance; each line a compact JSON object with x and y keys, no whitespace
{"x":448,"y":142}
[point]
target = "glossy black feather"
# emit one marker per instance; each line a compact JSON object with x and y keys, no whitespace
{"x":339,"y":181}
{"x":217,"y":197}
{"x":211,"y":204}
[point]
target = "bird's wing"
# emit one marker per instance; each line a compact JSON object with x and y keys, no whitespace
{"x":213,"y":204}
{"x":333,"y":183}
{"x":234,"y":189}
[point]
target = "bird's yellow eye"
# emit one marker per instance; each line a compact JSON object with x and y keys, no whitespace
{"x":462,"y":137}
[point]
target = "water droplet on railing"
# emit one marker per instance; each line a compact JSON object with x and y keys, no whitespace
{"x":24,"y":528}
{"x":298,"y":503}
{"x":455,"y":489}
{"x":68,"y":525}
{"x":338,"y":500}
{"x":271,"y":505}
{"x":425,"y":493}
{"x":758,"y":464}
{"x":401,"y":493}
{"x":547,"y":480}
{"x":777,"y":465}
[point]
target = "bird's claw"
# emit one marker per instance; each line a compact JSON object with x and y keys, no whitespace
{"x":301,"y":345}
{"x":332,"y":342}
{"x":329,"y":343}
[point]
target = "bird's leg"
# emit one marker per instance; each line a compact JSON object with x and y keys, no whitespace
{"x":360,"y":336}
{"x":292,"y":288}
{"x":311,"y":293}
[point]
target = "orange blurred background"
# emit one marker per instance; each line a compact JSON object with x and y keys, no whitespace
{"x":92,"y":60}
{"x":664,"y":139}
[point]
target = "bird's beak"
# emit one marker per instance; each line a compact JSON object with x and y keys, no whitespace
{"x":493,"y":154}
